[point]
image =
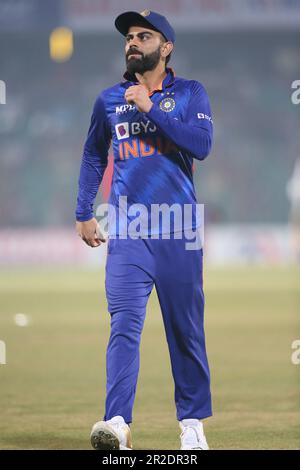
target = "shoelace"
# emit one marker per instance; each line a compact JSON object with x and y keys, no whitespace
{"x":118,"y":427}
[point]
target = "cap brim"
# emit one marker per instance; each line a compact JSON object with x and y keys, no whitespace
{"x":131,"y":18}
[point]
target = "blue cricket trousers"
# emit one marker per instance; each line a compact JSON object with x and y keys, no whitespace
{"x":132,"y":268}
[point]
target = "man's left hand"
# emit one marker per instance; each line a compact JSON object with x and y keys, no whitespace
{"x":138,"y":94}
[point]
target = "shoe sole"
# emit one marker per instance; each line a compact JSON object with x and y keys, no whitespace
{"x":104,"y":440}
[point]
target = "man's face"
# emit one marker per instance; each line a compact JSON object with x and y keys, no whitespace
{"x":142,"y":49}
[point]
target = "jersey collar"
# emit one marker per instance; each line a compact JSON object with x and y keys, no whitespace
{"x":167,"y":81}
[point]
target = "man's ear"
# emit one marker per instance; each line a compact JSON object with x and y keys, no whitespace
{"x":167,"y":47}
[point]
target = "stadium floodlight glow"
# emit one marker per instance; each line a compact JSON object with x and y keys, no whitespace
{"x":61,"y":44}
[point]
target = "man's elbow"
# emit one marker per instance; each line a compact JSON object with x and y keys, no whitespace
{"x":206,"y":146}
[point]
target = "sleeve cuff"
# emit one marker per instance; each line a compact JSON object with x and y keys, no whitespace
{"x":84,"y":218}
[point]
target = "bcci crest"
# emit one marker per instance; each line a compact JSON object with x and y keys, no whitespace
{"x":167,"y":104}
{"x":145,"y":13}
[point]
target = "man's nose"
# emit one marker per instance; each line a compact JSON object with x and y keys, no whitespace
{"x":133,"y":42}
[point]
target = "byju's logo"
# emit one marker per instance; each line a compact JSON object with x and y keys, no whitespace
{"x":122,"y":130}
{"x":2,"y":353}
{"x":204,"y":116}
{"x":2,"y":92}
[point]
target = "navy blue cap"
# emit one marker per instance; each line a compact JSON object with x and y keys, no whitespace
{"x":146,"y":18}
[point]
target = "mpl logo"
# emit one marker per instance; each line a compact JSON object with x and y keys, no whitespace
{"x":124,"y":108}
{"x":2,"y":92}
{"x":125,"y":129}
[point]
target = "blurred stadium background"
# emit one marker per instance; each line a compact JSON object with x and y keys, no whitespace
{"x":247,"y":54}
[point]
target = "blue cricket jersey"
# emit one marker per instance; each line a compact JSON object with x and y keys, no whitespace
{"x":153,"y":152}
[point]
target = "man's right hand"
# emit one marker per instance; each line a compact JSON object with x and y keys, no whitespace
{"x":90,"y":232}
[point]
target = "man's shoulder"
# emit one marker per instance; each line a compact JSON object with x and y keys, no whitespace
{"x":115,"y":90}
{"x":194,"y":85}
{"x":110,"y":96}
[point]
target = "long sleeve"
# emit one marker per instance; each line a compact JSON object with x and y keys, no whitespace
{"x":195,"y":134}
{"x":94,"y":161}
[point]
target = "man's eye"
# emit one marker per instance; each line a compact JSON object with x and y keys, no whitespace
{"x":143,"y":37}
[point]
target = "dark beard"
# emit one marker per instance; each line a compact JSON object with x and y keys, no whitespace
{"x":143,"y":64}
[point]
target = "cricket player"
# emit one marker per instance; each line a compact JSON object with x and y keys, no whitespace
{"x":158,"y":124}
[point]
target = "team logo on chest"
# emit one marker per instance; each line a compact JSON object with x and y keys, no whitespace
{"x":167,"y":104}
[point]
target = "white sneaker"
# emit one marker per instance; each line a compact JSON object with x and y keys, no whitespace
{"x":192,"y":436}
{"x":111,"y":434}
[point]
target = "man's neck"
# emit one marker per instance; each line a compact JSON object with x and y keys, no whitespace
{"x":153,"y":78}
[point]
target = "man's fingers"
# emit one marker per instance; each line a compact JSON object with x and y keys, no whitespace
{"x":130,"y":94}
{"x":129,"y":98}
{"x":95,"y":243}
{"x":91,"y":242}
{"x":85,"y":240}
{"x":99,"y":235}
{"x":90,"y":233}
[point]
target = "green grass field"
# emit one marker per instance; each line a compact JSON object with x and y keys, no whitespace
{"x":52,"y":388}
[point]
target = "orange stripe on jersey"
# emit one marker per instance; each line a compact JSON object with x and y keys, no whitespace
{"x":160,"y":87}
{"x":131,"y":149}
{"x":121,"y":151}
{"x":143,"y":147}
